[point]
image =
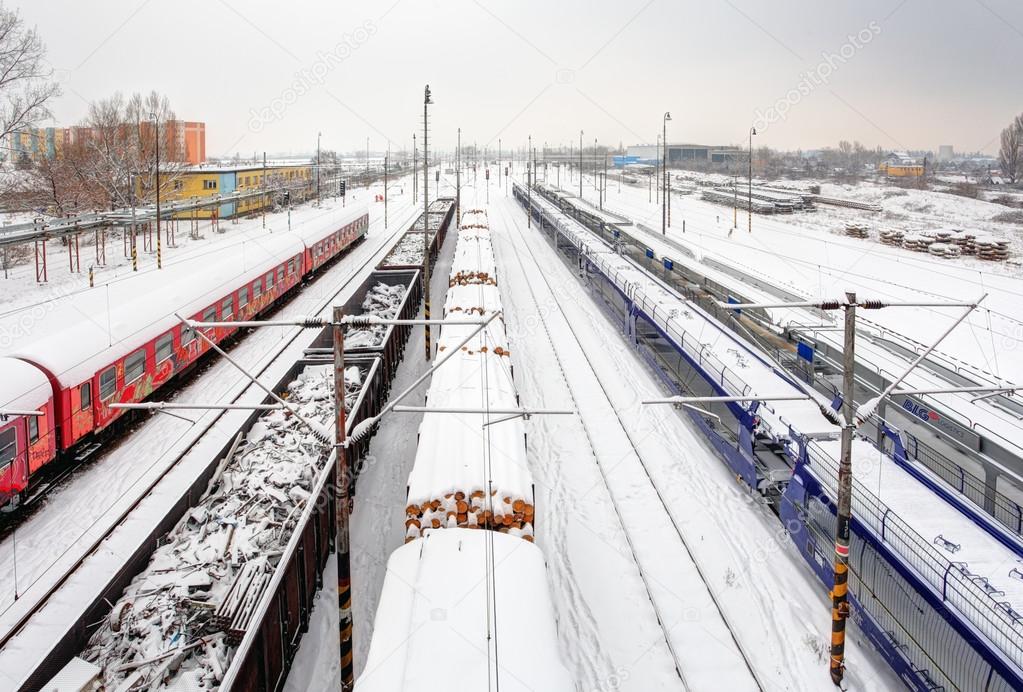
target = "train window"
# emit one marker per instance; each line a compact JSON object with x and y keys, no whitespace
{"x":280,"y":274}
{"x":210,"y":314}
{"x":227,"y":309}
{"x":33,"y":428}
{"x":134,"y":366}
{"x":269,"y":281}
{"x":291,"y":267}
{"x":108,"y":383}
{"x":243,"y":297}
{"x":257,"y":290}
{"x":164,"y":347}
{"x":187,"y":336}
{"x":8,"y":448}
{"x":85,"y":395}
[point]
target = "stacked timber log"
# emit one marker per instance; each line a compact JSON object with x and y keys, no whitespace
{"x":857,"y":230}
{"x":917,"y":242}
{"x":469,"y":474}
{"x":892,"y":237}
{"x":992,"y":249}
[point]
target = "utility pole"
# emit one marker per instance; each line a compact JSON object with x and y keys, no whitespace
{"x":263,"y":185}
{"x":458,"y":180}
{"x":852,"y":416}
{"x":134,"y":250}
{"x":426,"y":217}
{"x":415,"y":171}
{"x":664,"y":183}
{"x":387,"y":160}
{"x":341,"y":509}
{"x":839,"y":592}
{"x":603,"y":183}
{"x":159,"y":248}
{"x":735,"y":201}
{"x":318,"y":135}
{"x":580,"y":165}
{"x":749,"y":208}
{"x":500,"y":173}
{"x":529,"y":186}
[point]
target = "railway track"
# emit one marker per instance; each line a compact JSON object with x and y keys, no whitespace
{"x":521,"y":246}
{"x":207,"y":423}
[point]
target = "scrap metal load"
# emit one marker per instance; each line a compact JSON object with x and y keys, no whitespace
{"x":384,"y":301}
{"x":468,"y":471}
{"x":177,"y":623}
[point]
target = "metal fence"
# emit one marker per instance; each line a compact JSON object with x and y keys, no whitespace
{"x":952,"y":581}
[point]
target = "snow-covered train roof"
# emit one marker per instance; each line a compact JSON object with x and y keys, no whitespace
{"x":25,"y":387}
{"x":470,"y":299}
{"x":442,"y":623}
{"x":74,"y":336}
{"x":311,"y":233}
{"x":459,"y":451}
{"x":741,"y":367}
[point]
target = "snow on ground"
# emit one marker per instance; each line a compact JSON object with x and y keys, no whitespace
{"x":758,"y":577}
{"x":607,"y":625}
{"x":57,"y":532}
{"x":20,"y":290}
{"x":906,"y":209}
{"x":816,"y":263}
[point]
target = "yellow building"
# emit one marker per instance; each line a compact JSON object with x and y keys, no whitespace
{"x":197,"y":182}
{"x":902,"y":170}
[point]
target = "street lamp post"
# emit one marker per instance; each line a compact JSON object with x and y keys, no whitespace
{"x":657,"y":170}
{"x":749,"y":205}
{"x":318,"y":135}
{"x":664,"y":202}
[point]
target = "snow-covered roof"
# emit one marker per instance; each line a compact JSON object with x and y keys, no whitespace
{"x":442,"y":619}
{"x":74,"y":336}
{"x":25,"y":387}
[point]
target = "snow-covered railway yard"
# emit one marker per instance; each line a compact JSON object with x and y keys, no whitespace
{"x":639,"y":481}
{"x":662,"y":572}
{"x":57,"y":559}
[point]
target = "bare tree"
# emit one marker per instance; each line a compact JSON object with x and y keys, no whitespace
{"x":25,"y":85}
{"x":123,"y":136}
{"x":1010,"y":154}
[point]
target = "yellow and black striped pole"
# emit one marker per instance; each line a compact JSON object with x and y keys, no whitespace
{"x":342,"y":492}
{"x":840,"y":590}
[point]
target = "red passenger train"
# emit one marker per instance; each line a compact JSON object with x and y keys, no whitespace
{"x":121,"y":342}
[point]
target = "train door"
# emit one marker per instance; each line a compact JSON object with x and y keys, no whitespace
{"x":41,"y":443}
{"x":80,"y":418}
{"x":13,"y":469}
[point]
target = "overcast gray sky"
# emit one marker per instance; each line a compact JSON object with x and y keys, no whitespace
{"x":269,"y":75}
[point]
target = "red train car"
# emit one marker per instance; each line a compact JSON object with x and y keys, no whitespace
{"x":27,"y":440}
{"x":121,"y":342}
